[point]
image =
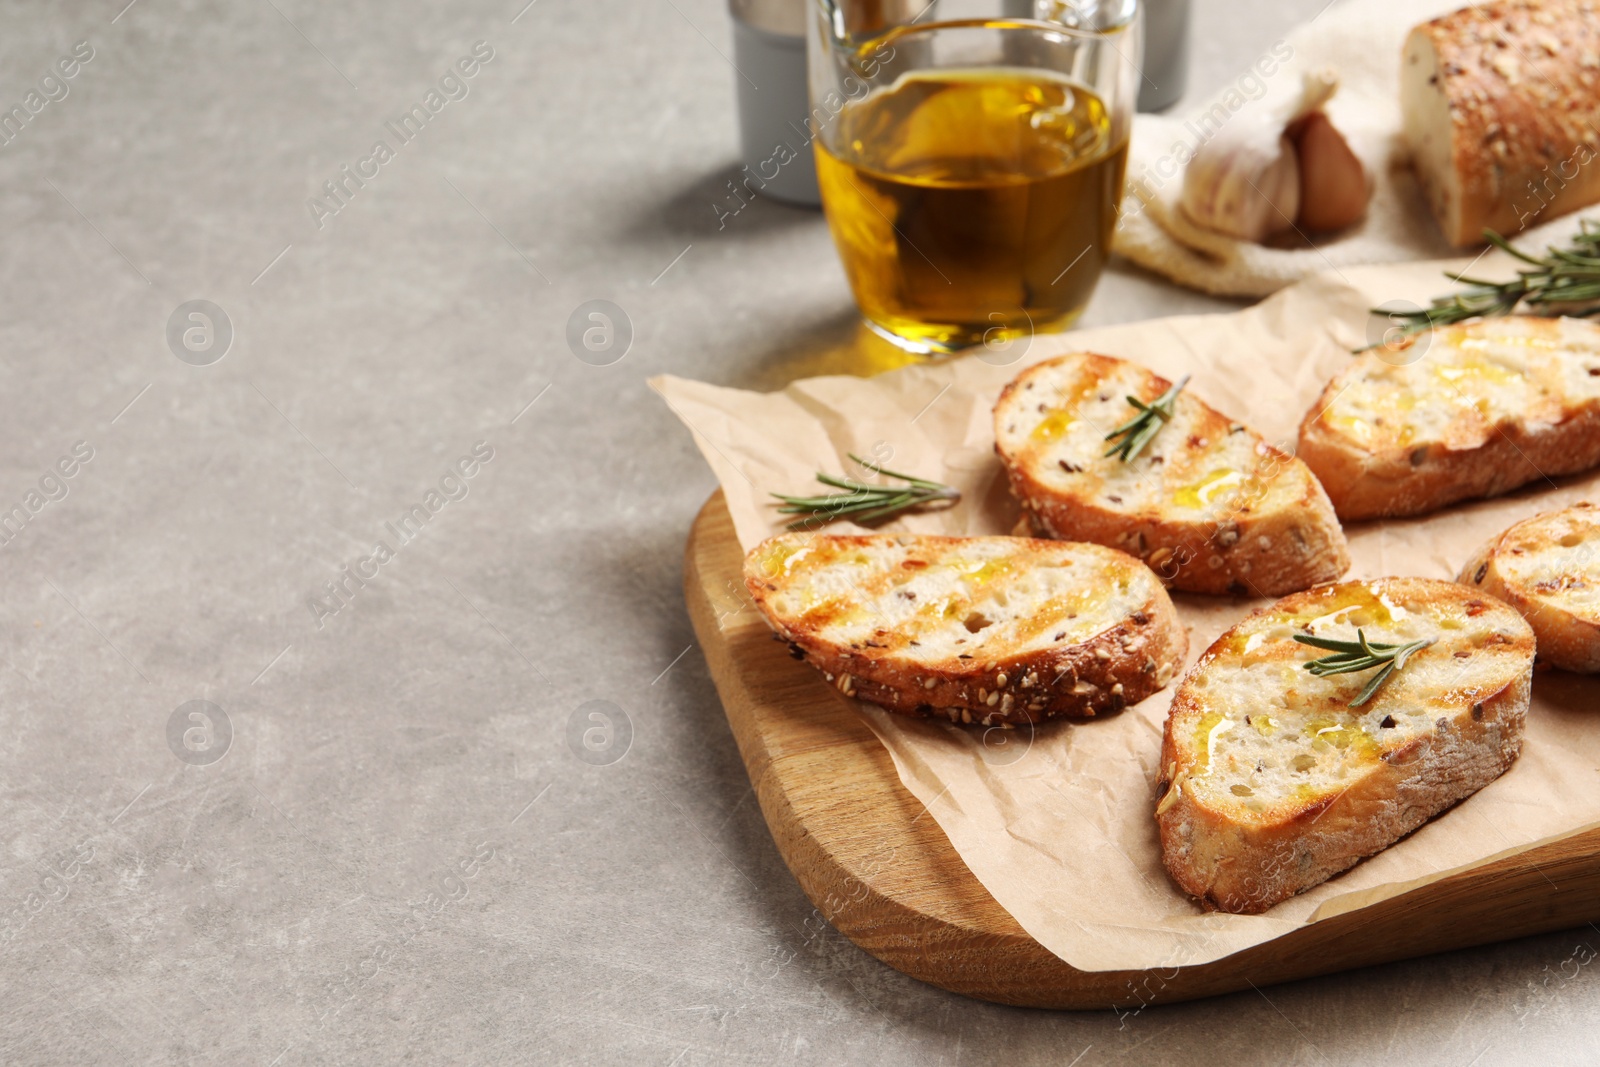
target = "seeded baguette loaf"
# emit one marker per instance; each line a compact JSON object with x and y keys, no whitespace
{"x":1208,"y":504}
{"x":1500,"y":104}
{"x":990,"y":630}
{"x":1271,"y":783}
{"x":1548,"y":569}
{"x":1471,"y":410}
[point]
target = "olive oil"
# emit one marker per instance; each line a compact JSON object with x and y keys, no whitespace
{"x":973,"y":205}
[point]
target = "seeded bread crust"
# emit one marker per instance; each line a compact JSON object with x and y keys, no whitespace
{"x":1471,"y":411}
{"x":869,"y":645}
{"x":1272,"y":784}
{"x":1548,"y":569}
{"x":1208,"y":504}
{"x":1500,"y":104}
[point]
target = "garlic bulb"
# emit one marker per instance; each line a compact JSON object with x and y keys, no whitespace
{"x":1247,"y":180}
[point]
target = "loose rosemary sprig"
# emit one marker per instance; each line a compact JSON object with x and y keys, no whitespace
{"x":865,"y":504}
{"x":1138,"y":431}
{"x":1560,"y":282}
{"x":1360,"y":655}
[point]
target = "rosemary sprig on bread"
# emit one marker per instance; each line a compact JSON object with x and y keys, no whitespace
{"x":1353,"y":657}
{"x":1142,"y":428}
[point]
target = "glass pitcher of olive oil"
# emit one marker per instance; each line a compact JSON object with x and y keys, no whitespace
{"x":970,"y":155}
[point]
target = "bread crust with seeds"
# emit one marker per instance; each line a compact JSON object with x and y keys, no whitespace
{"x":1208,"y":504}
{"x":1271,"y":783}
{"x":1548,"y":569}
{"x":1468,"y":411}
{"x":984,"y":630}
{"x":1500,"y":107}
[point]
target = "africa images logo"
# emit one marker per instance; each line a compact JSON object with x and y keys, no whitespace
{"x":454,"y":84}
{"x":339,"y":593}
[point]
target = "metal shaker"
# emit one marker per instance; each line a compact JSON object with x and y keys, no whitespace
{"x":769,"y":54}
{"x":1166,"y":53}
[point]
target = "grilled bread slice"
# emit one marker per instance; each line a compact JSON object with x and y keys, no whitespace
{"x":1548,"y":568}
{"x":975,"y":629}
{"x":1273,"y":783}
{"x":1473,"y":410}
{"x":1208,"y":504}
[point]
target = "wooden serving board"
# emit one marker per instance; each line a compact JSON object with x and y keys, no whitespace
{"x":878,"y":867}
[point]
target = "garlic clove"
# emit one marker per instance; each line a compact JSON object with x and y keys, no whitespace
{"x":1244,"y":182}
{"x":1334,"y":186}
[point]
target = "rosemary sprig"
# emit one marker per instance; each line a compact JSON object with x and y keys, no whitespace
{"x":1561,"y":282}
{"x":1138,"y":431}
{"x":865,"y":504}
{"x":1360,"y":655}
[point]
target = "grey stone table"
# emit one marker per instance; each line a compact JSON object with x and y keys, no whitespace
{"x":247,"y":819}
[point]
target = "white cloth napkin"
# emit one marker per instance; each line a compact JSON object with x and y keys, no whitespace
{"x":1361,"y":40}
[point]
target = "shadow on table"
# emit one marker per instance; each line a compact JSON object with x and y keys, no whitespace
{"x":717,"y":205}
{"x":839,"y":343}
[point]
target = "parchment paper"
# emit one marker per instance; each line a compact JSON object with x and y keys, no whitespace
{"x":1057,"y":822}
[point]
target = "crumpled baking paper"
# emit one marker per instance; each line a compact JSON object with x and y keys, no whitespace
{"x":1058,"y":822}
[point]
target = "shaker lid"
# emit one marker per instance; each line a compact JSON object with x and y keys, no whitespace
{"x":787,"y":17}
